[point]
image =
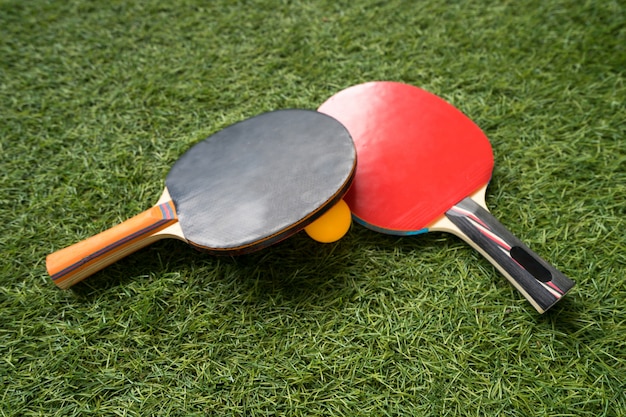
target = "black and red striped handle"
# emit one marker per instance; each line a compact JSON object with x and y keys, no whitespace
{"x":541,"y":283}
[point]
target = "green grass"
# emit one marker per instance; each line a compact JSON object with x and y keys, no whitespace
{"x":98,"y":99}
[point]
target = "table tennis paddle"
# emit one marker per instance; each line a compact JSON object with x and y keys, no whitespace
{"x":424,"y":166}
{"x":243,"y":188}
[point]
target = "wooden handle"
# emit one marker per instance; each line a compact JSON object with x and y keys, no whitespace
{"x":75,"y":263}
{"x":541,"y":283}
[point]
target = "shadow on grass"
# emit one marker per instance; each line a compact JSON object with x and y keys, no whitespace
{"x":295,"y":268}
{"x":297,"y":273}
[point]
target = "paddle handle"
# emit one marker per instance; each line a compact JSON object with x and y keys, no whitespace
{"x":541,"y":283}
{"x":76,"y":262}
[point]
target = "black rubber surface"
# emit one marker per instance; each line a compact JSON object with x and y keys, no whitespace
{"x":261,"y":180}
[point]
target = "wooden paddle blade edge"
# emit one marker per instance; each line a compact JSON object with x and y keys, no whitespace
{"x":387,"y":231}
{"x":283,"y":234}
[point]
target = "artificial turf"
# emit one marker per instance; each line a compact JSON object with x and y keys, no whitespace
{"x":98,"y":99}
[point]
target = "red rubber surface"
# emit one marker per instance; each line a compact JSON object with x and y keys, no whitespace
{"x":417,"y":155}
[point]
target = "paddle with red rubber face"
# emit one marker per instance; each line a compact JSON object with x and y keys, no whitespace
{"x":424,"y":166}
{"x":244,"y":188}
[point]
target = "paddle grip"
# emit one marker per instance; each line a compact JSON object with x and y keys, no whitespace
{"x":76,"y":262}
{"x":541,"y":283}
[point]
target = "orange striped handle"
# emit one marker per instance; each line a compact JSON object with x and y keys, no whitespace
{"x":75,"y":263}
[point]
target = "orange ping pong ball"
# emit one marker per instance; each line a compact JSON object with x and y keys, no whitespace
{"x":332,"y":225}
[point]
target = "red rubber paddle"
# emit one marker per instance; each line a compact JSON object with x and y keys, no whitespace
{"x":424,"y":166}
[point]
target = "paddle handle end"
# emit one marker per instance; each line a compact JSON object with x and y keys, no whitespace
{"x":80,"y":260}
{"x":541,"y":283}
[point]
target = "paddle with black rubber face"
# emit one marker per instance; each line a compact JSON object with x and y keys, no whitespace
{"x":424,"y":166}
{"x":242,"y":189}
